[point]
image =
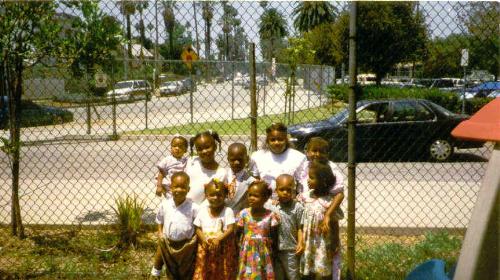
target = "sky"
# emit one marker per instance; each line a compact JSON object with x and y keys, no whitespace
{"x":441,"y":18}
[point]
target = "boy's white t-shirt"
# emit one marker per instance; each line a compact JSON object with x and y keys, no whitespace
{"x":199,"y":176}
{"x":268,"y":166}
{"x":213,"y":226}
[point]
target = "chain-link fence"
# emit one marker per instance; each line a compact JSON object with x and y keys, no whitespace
{"x":97,"y":118}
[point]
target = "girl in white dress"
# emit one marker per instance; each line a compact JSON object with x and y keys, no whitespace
{"x":276,"y":158}
{"x":203,"y":167}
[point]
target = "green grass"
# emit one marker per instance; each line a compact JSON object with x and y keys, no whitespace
{"x":242,"y":126}
{"x":77,"y":253}
{"x":394,"y":260}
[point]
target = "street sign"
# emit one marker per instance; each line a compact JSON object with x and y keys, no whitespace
{"x":189,"y":56}
{"x":464,"y":60}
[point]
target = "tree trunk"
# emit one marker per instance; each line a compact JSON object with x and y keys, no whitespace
{"x":129,"y":39}
{"x":196,"y":29}
{"x":14,"y":89}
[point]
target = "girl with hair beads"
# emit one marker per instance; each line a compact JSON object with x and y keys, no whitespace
{"x":278,"y":158}
{"x":170,"y":164}
{"x":216,"y":258}
{"x":321,"y":258}
{"x":258,"y":227}
{"x":203,"y":167}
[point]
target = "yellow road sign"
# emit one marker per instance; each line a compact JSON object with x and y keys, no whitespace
{"x":189,"y":56}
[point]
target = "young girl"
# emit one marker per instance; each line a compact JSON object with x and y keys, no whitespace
{"x":216,"y":258}
{"x":321,"y":258}
{"x":258,"y":227}
{"x":278,"y":158}
{"x":170,"y":164}
{"x":203,"y":168}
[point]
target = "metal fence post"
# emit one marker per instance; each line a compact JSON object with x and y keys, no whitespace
{"x":351,"y":148}
{"x":87,"y":104}
{"x":232,"y":89}
{"x":191,"y":97}
{"x":113,"y":102}
{"x":253,"y":100}
{"x":147,"y":94}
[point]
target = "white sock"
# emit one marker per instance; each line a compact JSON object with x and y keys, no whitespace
{"x":155,"y":272}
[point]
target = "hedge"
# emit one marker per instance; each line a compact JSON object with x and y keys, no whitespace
{"x":448,"y":100}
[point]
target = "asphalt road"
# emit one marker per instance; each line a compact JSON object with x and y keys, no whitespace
{"x":71,"y":183}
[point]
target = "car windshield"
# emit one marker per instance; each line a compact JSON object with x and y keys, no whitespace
{"x":339,"y":117}
{"x":442,"y":109}
{"x":120,"y":85}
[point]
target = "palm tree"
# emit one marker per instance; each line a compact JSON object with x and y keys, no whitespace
{"x":141,"y":6}
{"x":128,"y":8}
{"x":169,"y":20}
{"x":207,"y":15}
{"x":272,"y":30}
{"x":311,"y":14}
{"x":196,"y":28}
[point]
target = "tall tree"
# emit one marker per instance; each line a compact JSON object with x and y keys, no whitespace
{"x":311,"y":14}
{"x":141,"y":6}
{"x":482,"y":20}
{"x":169,"y":20}
{"x":207,"y":15}
{"x":442,"y":57}
{"x":195,"y":16}
{"x":387,"y":33}
{"x":92,"y":39}
{"x":229,"y":22}
{"x":28,"y":34}
{"x":272,"y":30}
{"x":128,"y":8}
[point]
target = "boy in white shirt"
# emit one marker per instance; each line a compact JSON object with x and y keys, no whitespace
{"x":238,"y":177}
{"x":177,"y":245}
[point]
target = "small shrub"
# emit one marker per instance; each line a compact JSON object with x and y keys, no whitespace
{"x":129,"y":211}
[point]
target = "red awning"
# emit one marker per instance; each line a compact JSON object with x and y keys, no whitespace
{"x":483,"y":125}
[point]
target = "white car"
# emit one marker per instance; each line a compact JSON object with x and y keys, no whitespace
{"x":171,"y":88}
{"x":130,"y":90}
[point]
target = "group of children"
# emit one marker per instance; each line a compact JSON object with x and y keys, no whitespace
{"x":273,"y":215}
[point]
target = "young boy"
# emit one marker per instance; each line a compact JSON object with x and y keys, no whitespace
{"x":170,"y":164}
{"x":177,"y":245}
{"x":290,"y":239}
{"x":238,"y":177}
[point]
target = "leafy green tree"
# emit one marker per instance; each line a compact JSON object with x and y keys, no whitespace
{"x":181,"y":39}
{"x":93,"y":39}
{"x":482,"y":20}
{"x":387,"y":33}
{"x":272,"y":31}
{"x":310,"y":14}
{"x":28,"y":35}
{"x":141,"y":6}
{"x":326,"y":41}
{"x":443,"y":56}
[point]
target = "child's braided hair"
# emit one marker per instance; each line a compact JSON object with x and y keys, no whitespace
{"x":209,"y":133}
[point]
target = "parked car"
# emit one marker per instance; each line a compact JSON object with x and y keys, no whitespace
{"x":494,"y":94}
{"x":482,"y":90}
{"x":171,"y":88}
{"x":33,"y":114}
{"x":448,"y":84}
{"x":130,"y":90}
{"x":389,"y":130}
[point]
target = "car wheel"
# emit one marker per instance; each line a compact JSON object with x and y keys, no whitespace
{"x":440,"y":150}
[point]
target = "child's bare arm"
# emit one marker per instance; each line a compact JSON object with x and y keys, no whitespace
{"x":300,"y":243}
{"x":201,"y":237}
{"x":160,"y":230}
{"x":325,"y":224}
{"x":216,"y":241}
{"x":159,"y":181}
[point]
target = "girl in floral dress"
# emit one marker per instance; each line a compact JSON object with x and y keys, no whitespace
{"x":258,"y":227}
{"x":216,"y":258}
{"x":321,"y":258}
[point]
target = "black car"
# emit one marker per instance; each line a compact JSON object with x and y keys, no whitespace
{"x":389,"y":130}
{"x":33,"y":114}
